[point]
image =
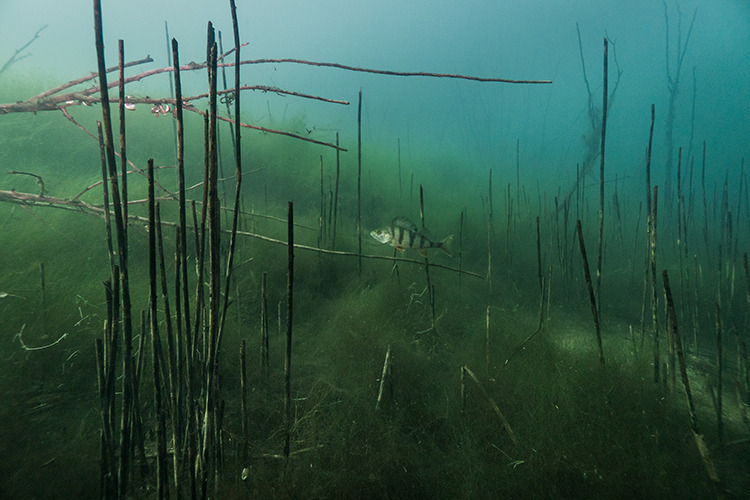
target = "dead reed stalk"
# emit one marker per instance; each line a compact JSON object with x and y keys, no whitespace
{"x":699,"y":441}
{"x":238,"y":171}
{"x":492,"y":403}
{"x":162,"y":487}
{"x":654,"y":295}
{"x":359,"y":183}
{"x":601,"y":189}
{"x":592,"y":297}
{"x":288,"y":352}
{"x":384,"y":376}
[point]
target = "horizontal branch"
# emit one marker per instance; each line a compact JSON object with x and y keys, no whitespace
{"x":42,"y":102}
{"x":86,"y":78}
{"x":77,"y":205}
{"x":268,"y":130}
{"x":394,"y":73}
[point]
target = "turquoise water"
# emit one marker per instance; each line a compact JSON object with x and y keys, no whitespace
{"x":543,"y":417}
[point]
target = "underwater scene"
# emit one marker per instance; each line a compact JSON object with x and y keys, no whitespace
{"x":387,"y":249}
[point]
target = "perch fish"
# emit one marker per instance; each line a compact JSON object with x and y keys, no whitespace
{"x":403,"y":234}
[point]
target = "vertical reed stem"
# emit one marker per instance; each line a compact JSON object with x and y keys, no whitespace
{"x":654,"y":302}
{"x":288,"y":354}
{"x":539,"y":273}
{"x":214,"y":234}
{"x":264,"y":330}
{"x":172,"y":359}
{"x":43,"y":296}
{"x":336,"y":192}
{"x":489,"y":235}
{"x":592,"y":297}
{"x":237,"y":171}
{"x":487,"y":344}
{"x":430,"y":289}
{"x":720,"y":381}
{"x":359,"y":184}
{"x":601,"y":185}
{"x":161,"y":463}
{"x":460,"y":248}
{"x":699,"y":441}
{"x":243,"y":388}
{"x":384,"y":376}
{"x":127,"y":400}
{"x":181,"y":188}
{"x":123,"y":156}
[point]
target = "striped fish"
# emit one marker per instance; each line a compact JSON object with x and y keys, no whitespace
{"x":403,"y":234}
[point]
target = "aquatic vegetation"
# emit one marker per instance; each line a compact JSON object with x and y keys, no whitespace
{"x":183,"y":330}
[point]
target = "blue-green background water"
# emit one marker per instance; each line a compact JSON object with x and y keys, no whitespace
{"x":470,"y":126}
{"x":446,"y":135}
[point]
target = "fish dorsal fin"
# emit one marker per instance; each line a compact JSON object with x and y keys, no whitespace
{"x":404,"y":223}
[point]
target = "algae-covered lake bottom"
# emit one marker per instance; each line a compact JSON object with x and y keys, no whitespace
{"x":479,"y":374}
{"x":577,"y":430}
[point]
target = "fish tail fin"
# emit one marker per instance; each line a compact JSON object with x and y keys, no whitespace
{"x":445,"y":245}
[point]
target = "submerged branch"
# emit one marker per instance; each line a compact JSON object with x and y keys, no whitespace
{"x":52,"y":100}
{"x":76,"y":205}
{"x":43,"y":102}
{"x":395,"y":73}
{"x":15,"y":58}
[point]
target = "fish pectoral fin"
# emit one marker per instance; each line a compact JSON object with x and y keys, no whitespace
{"x":423,"y":252}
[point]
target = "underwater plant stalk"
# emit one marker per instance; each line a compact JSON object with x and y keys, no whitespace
{"x":200,"y":246}
{"x":487,"y":344}
{"x":460,"y":248}
{"x":742,"y":387}
{"x":182,"y":203}
{"x":43,"y":297}
{"x":654,"y":299}
{"x":699,"y":441}
{"x":430,"y":288}
{"x":492,"y":403}
{"x":359,"y":183}
{"x":322,"y":215}
{"x":601,"y":188}
{"x":400,"y":189}
{"x":548,"y":285}
{"x":236,"y":140}
{"x":264,"y":329}
{"x":673,"y":84}
{"x":649,"y":216}
{"x":509,"y":230}
{"x":695,"y":305}
{"x":288,"y":352}
{"x":185,"y":413}
{"x":105,"y":354}
{"x":127,"y":400}
{"x":463,"y":390}
{"x":138,"y":434}
{"x":170,"y":41}
{"x":123,"y":155}
{"x":172,"y":353}
{"x":720,"y":377}
{"x":384,"y":376}
{"x":243,"y":392}
{"x":106,"y":457}
{"x":539,"y":273}
{"x":592,"y":297}
{"x":336,"y":193}
{"x":214,"y":298}
{"x":161,"y":444}
{"x":489,"y":234}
